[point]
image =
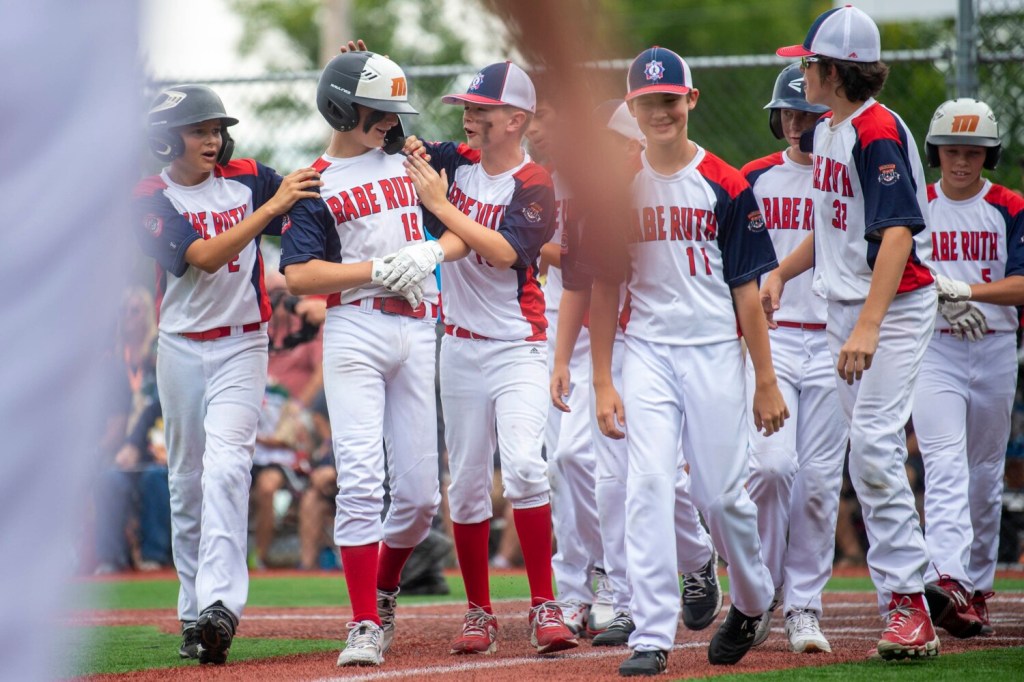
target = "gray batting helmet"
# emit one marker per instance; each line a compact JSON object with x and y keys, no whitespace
{"x":964,"y":121}
{"x":789,"y":94}
{"x":365,"y":78}
{"x":184,"y":105}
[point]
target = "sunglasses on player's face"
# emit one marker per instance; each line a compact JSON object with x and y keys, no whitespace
{"x":807,"y":61}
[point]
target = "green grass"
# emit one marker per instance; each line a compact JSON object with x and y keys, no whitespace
{"x":993,"y":665}
{"x":121,"y":649}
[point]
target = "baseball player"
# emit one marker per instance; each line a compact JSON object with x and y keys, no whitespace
{"x":378,"y":346}
{"x":795,"y":477}
{"x":201,"y":219}
{"x":620,"y":137}
{"x":493,"y":360}
{"x":968,"y":380}
{"x":568,"y":443}
{"x":867,"y":250}
{"x":695,"y":248}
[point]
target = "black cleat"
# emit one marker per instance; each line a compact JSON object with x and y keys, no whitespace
{"x":702,"y":597}
{"x":734,"y":638}
{"x":216,"y":626}
{"x":617,"y":633}
{"x":189,"y":640}
{"x":644,"y":663}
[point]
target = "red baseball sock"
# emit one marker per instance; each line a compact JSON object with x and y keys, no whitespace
{"x":360,"y":564}
{"x":389,"y":566}
{"x":471,"y":548}
{"x":916,"y":600}
{"x":534,"y":528}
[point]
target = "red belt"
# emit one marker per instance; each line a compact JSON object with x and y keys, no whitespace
{"x":452,"y":330}
{"x":950,"y":331}
{"x":221,"y":332}
{"x":390,"y":305}
{"x":806,"y":326}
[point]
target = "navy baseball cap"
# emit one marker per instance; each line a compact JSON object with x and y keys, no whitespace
{"x":658,"y":69}
{"x":499,"y":84}
{"x":845,"y":33}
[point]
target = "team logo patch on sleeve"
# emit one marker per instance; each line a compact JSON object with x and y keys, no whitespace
{"x":654,"y":70}
{"x":887,"y":174}
{"x":755,"y":221}
{"x":286,"y":223}
{"x":154,"y":223}
{"x":533,"y":212}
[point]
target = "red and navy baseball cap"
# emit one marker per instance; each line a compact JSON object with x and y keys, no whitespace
{"x":499,"y":84}
{"x":845,"y":33}
{"x":658,"y":69}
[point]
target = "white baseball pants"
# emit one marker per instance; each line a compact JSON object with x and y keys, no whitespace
{"x":962,"y":419}
{"x":379,"y":383}
{"x":211,"y":393}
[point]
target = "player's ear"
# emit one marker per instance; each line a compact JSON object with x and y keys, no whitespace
{"x":518,"y":121}
{"x":693,"y":96}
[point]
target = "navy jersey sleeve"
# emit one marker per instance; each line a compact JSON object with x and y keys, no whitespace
{"x":1011,"y":207}
{"x":162,"y":232}
{"x":308,"y":234}
{"x":747,"y":251}
{"x":446,"y":156}
{"x":890,"y":193}
{"x":575,"y":277}
{"x":262,"y":181}
{"x":529,"y":220}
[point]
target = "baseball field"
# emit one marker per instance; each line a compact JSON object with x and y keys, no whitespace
{"x":125,"y":628}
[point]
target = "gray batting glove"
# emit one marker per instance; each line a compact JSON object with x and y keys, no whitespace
{"x":965,"y":320}
{"x":952,"y":289}
{"x":413,"y":263}
{"x":381,"y":269}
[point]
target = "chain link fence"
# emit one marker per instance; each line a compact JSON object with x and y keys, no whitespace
{"x":280,"y":125}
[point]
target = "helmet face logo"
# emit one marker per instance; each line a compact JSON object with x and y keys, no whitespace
{"x":654,"y":70}
{"x":477,"y":82}
{"x":398,"y":87}
{"x":172,"y":98}
{"x":965,"y":123}
{"x":797,"y":85}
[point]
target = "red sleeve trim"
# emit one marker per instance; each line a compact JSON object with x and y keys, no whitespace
{"x":874,"y":124}
{"x":762,"y":163}
{"x":932,"y":193}
{"x":321,"y":164}
{"x":147,"y":187}
{"x":236,"y":167}
{"x":1006,"y":199}
{"x":533,"y":174}
{"x":719,"y":172}
{"x":468,"y":152}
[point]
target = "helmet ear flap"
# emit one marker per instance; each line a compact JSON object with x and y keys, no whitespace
{"x":932,"y":153}
{"x":775,"y":123}
{"x":992,"y":157}
{"x":227,"y":147}
{"x":344,"y":115}
{"x":166,"y":145}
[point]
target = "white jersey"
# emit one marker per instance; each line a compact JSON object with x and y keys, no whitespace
{"x":505,"y":304}
{"x":980,"y":239}
{"x":171,"y":216}
{"x":696,"y":234}
{"x":553,"y":284}
{"x":783,"y":190}
{"x":369,"y":209}
{"x":867,"y":176}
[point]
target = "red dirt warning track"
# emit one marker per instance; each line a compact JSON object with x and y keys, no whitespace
{"x":424,"y":631}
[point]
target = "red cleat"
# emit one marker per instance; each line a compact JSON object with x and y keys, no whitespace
{"x":909,"y":633}
{"x":479,"y":634}
{"x":548,"y":632}
{"x":978,"y":603}
{"x":950,"y":605}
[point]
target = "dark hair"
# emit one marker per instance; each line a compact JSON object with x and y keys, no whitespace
{"x":857,"y":80}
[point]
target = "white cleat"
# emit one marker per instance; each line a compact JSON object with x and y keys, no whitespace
{"x":602,"y":612}
{"x":363,"y":646}
{"x":804,"y":633}
{"x":576,"y":614}
{"x":386,"y":613}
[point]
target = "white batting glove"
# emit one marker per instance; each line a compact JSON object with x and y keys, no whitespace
{"x":413,"y":294}
{"x":381,"y":269}
{"x":413,"y":263}
{"x":952,"y":289}
{"x":965,"y":320}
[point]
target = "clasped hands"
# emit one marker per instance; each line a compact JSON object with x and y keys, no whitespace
{"x":403,"y":272}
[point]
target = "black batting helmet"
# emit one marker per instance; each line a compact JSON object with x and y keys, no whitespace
{"x":789,"y":94}
{"x":365,"y":78}
{"x":184,"y":105}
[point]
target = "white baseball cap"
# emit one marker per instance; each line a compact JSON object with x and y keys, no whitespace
{"x":615,"y":116}
{"x":499,"y":84}
{"x":845,"y":33}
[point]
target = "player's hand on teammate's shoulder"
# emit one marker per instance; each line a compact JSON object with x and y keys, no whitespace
{"x":356,"y":45}
{"x":771,"y":294}
{"x":431,"y":187}
{"x":299,"y":184}
{"x":857,"y":353}
{"x":610,"y":412}
{"x":770,"y":411}
{"x":560,"y":387}
{"x":414,"y":145}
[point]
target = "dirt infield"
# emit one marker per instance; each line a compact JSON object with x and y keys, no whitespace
{"x":420,"y":649}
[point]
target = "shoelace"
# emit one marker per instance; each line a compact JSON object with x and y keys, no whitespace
{"x":898,"y":615}
{"x":548,"y":615}
{"x":621,"y":621}
{"x":694,"y":585}
{"x":361,"y":635}
{"x":603,"y":591}
{"x":805,"y":623}
{"x":386,"y":603}
{"x":476,"y":623}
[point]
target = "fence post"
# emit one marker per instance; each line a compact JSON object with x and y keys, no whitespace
{"x":966,"y":49}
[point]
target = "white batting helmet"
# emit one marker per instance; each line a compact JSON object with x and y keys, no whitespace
{"x":964,"y":121}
